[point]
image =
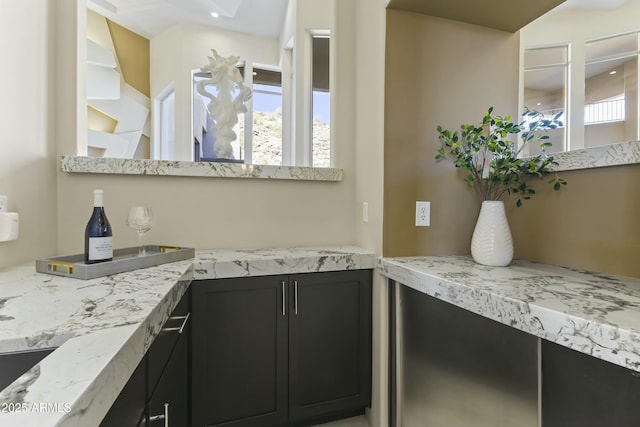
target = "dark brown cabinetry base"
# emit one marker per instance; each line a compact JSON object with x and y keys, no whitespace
{"x":158,"y":390}
{"x":281,"y":350}
{"x":583,"y":391}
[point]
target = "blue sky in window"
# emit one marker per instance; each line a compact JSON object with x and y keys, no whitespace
{"x":271,"y":102}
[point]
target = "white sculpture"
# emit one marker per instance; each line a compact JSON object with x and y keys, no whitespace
{"x":227,"y":103}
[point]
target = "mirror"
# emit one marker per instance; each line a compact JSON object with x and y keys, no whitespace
{"x":142,"y":111}
{"x":581,"y":59}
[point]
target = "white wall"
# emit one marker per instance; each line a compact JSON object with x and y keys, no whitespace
{"x":27,"y":139}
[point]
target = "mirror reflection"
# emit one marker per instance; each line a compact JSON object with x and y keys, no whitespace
{"x":145,"y":57}
{"x":581,"y":59}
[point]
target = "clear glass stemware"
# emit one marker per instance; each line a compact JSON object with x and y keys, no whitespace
{"x":140,"y":219}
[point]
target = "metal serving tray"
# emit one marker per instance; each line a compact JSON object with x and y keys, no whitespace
{"x":125,"y":259}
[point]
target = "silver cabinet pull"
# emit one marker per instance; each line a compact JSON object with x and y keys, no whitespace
{"x":164,"y":416}
{"x":295,"y":294}
{"x":284,"y":301}
{"x":181,"y":328}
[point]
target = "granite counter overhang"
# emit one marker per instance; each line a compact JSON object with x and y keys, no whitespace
{"x":102,"y":327}
{"x":593,"y":313}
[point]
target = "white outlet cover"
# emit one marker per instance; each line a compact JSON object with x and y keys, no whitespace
{"x":423,"y":214}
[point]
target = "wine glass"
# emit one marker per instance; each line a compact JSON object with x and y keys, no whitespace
{"x":140,"y":219}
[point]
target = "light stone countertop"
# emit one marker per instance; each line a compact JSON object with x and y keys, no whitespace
{"x":103,"y":327}
{"x":597,"y":314}
{"x":103,"y":165}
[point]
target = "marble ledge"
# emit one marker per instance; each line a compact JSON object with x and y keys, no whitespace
{"x":624,"y":153}
{"x":79,"y":164}
{"x":593,"y":313}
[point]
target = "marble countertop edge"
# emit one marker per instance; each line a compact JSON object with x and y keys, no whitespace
{"x":593,"y":313}
{"x":117,"y":166}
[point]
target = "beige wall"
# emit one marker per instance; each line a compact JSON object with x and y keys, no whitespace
{"x":27,"y":143}
{"x":216,"y":213}
{"x":369,"y":144}
{"x":437,"y":72}
{"x":592,"y":224}
{"x":211,"y":213}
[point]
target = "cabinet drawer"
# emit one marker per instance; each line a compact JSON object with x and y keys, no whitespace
{"x":160,"y":350}
{"x":169,"y":403}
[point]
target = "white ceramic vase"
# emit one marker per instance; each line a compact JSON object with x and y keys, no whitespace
{"x":491,"y":243}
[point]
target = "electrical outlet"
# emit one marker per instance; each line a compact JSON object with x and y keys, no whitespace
{"x":365,"y":211}
{"x":423,"y":214}
{"x":4,"y":204}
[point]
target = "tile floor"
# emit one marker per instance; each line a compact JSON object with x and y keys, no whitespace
{"x":360,"y":421}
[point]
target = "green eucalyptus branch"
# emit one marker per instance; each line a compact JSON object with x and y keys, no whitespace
{"x":493,"y":161}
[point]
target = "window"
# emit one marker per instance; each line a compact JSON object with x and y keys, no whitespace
{"x":288,"y":118}
{"x":267,"y":117}
{"x":611,"y":90}
{"x":545,"y":89}
{"x":600,"y":59}
{"x":321,"y":101}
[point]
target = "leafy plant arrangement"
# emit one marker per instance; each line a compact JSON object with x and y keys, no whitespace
{"x":491,"y":158}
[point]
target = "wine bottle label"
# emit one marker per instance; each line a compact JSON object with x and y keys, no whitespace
{"x":100,"y":248}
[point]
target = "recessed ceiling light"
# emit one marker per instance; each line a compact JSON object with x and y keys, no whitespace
{"x":215,"y":14}
{"x":612,"y":72}
{"x":539,"y":104}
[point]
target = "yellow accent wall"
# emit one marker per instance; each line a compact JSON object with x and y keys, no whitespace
{"x":132,"y":51}
{"x":99,"y":121}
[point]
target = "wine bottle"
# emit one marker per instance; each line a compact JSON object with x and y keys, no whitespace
{"x":98,"y":244}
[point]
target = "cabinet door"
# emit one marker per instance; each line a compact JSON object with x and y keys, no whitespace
{"x":239,"y":352}
{"x":329,"y":343}
{"x":169,"y":401}
{"x":581,"y":390}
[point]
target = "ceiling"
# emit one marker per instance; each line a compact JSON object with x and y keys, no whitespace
{"x":505,"y":15}
{"x":591,"y":4}
{"x":149,"y":18}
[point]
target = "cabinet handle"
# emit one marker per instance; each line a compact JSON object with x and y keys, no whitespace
{"x":295,"y":294}
{"x":164,"y":416}
{"x":284,"y":302}
{"x":181,"y":328}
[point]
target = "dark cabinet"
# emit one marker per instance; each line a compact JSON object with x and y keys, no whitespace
{"x":281,"y":350}
{"x":13,"y":365}
{"x":581,"y":390}
{"x":239,"y":352}
{"x":329,"y":343}
{"x":168,"y":370}
{"x":158,"y":390}
{"x":129,"y":408}
{"x":170,"y":398}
